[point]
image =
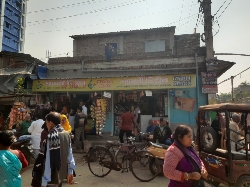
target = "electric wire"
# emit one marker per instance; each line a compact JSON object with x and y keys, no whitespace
{"x":109,"y":22}
{"x":38,"y":22}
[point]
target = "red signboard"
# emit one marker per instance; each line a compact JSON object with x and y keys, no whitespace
{"x":209,"y":89}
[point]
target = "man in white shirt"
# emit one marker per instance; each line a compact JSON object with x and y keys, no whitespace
{"x":84,"y":109}
{"x":36,"y":129}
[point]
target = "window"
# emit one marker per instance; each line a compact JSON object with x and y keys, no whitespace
{"x":23,"y":21}
{"x":21,"y":33}
{"x":23,"y":11}
{"x":110,"y":50}
{"x":17,"y":16}
{"x":154,"y":46}
{"x":18,"y":5}
{"x":8,"y":11}
{"x":16,"y":44}
{"x":20,"y":45}
{"x":16,"y":30}
{"x":7,"y":38}
{"x":7,"y":25}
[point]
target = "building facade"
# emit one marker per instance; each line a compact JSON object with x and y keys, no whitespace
{"x":12,"y":28}
{"x":153,"y":68}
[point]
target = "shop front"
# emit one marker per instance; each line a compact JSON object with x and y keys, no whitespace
{"x":170,"y":96}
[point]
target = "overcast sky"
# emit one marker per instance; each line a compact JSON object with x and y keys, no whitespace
{"x":51,"y":22}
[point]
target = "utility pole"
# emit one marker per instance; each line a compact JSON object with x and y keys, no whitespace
{"x":232,"y":91}
{"x":208,"y":26}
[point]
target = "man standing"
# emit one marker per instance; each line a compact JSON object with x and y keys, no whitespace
{"x":162,"y":133}
{"x":79,"y":128}
{"x":234,"y":137}
{"x":84,"y":109}
{"x":55,"y":161}
{"x":36,"y":129}
{"x":126,"y":124}
{"x":23,"y":127}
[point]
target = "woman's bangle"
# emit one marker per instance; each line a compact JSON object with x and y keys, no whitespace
{"x":187,"y":177}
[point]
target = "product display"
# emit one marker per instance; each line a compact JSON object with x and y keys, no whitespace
{"x":99,"y":112}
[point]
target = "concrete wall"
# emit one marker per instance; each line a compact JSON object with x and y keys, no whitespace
{"x":177,"y":116}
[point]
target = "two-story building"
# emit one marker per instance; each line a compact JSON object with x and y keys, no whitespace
{"x":152,"y":68}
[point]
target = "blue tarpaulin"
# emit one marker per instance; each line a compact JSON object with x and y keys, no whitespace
{"x":42,"y":72}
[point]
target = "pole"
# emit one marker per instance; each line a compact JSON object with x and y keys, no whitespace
{"x":197,"y":82}
{"x":206,"y":4}
{"x":232,"y":85}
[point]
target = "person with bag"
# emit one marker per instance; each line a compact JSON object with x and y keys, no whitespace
{"x":79,"y":128}
{"x":182,"y":165}
{"x":55,"y":160}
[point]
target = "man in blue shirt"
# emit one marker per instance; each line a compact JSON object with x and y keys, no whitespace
{"x":151,"y":127}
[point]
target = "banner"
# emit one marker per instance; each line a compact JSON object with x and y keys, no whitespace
{"x":114,"y":83}
{"x":186,"y":104}
{"x":209,"y":82}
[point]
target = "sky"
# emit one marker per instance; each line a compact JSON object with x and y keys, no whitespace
{"x":49,"y":23}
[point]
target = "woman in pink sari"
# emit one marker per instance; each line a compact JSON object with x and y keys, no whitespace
{"x":181,"y":164}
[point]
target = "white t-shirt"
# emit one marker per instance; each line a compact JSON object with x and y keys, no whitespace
{"x":84,"y":110}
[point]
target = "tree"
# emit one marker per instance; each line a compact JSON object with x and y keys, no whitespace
{"x":223,"y":97}
{"x":244,"y":83}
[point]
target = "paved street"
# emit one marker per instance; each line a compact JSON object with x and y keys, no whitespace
{"x":85,"y":178}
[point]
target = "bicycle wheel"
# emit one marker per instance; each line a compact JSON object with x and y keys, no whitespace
{"x":122,"y":157}
{"x":139,"y":166}
{"x":96,"y":160}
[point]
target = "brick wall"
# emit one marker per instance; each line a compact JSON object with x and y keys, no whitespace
{"x":186,"y":45}
{"x":128,"y":43}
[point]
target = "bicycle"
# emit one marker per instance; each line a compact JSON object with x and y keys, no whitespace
{"x":101,"y":158}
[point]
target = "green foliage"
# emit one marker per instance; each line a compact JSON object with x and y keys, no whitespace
{"x":224,"y":97}
{"x":20,"y":86}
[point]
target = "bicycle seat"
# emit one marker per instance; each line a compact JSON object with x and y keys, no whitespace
{"x":113,"y":142}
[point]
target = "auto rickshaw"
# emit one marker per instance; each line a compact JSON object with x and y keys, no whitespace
{"x":225,"y":166}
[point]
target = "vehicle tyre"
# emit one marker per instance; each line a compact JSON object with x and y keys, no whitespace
{"x":153,"y":168}
{"x":209,"y":139}
{"x":96,"y":160}
{"x":139,"y":166}
{"x":243,"y":181}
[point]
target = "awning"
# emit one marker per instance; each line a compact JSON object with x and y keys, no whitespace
{"x":42,"y":72}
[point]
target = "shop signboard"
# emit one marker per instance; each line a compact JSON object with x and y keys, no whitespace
{"x":186,"y":104}
{"x":114,"y":83}
{"x":209,"y":82}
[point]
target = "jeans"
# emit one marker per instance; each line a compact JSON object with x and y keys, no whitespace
{"x":79,"y":133}
{"x":121,"y":134}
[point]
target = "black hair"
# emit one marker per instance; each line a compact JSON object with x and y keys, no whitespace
{"x":181,"y":131}
{"x":79,"y":108}
{"x":127,"y":109}
{"x":44,"y":126}
{"x":39,"y":116}
{"x":54,"y":117}
{"x":7,"y":138}
{"x":161,"y":119}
